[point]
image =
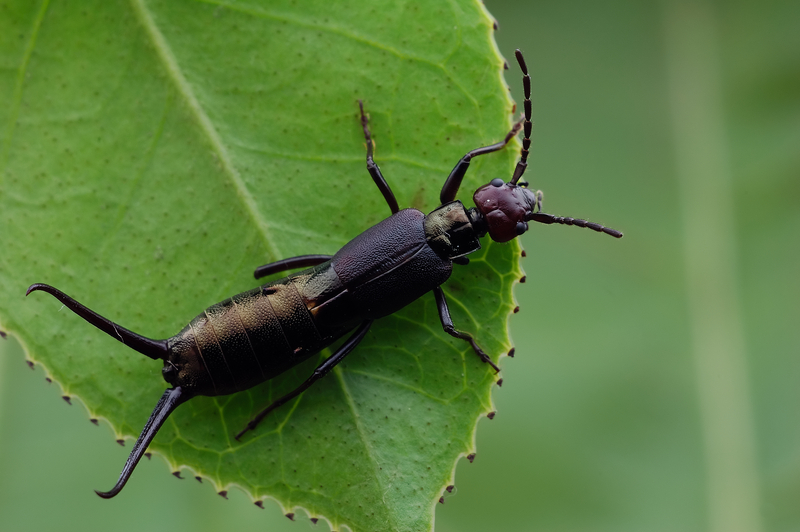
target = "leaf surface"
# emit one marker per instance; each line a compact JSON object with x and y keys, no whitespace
{"x":155,"y":153}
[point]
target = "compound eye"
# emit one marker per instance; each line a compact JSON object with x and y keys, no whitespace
{"x":497,"y":182}
{"x":521,"y":227}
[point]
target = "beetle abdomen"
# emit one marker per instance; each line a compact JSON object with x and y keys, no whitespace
{"x":245,"y":340}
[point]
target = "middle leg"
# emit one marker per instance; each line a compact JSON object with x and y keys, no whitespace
{"x":373,"y":168}
{"x":302,"y":261}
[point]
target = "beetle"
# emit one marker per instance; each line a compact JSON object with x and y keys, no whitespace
{"x":258,"y":334}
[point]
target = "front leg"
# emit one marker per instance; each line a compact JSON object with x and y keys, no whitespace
{"x":449,"y":328}
{"x":453,"y":181}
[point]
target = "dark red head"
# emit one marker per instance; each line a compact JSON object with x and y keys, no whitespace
{"x":506,"y":208}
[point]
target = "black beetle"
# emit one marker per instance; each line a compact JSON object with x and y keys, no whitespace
{"x":257,"y":335}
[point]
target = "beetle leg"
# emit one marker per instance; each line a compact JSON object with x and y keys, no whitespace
{"x":453,"y":182}
{"x":320,"y":372}
{"x":373,"y":169}
{"x":449,"y":328}
{"x":302,"y":261}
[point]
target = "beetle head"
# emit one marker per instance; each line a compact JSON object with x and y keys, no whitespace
{"x":506,"y":208}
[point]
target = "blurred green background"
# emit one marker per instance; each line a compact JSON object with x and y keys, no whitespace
{"x":655,"y":385}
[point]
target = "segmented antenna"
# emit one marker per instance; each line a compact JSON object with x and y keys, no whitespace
{"x":545,"y":218}
{"x":522,"y":165}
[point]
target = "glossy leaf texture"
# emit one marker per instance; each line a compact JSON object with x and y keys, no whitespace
{"x":155,"y":152}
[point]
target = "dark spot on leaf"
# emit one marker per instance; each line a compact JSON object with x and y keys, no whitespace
{"x":148,"y":455}
{"x":121,"y":442}
{"x":198,"y":479}
{"x":450,"y":488}
{"x":471,"y":457}
{"x":441,"y":500}
{"x":512,"y":351}
{"x":223,"y":494}
{"x":177,"y":474}
{"x":260,"y":504}
{"x":3,"y":334}
{"x":500,"y":382}
{"x":290,"y":515}
{"x":516,"y":309}
{"x":314,"y":520}
{"x":523,"y":279}
{"x":30,"y":363}
{"x":524,"y":254}
{"x":93,"y":420}
{"x":490,"y":415}
{"x":67,"y":399}
{"x":49,"y":380}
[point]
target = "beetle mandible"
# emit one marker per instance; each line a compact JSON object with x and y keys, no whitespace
{"x":257,"y":335}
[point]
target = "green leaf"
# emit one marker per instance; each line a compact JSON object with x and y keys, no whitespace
{"x":154,"y":153}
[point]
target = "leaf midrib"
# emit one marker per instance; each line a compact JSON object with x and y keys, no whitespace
{"x":184,"y":89}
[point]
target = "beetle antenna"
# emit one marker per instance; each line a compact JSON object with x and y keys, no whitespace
{"x":168,"y":402}
{"x":155,"y":349}
{"x":545,"y":218}
{"x":526,"y":141}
